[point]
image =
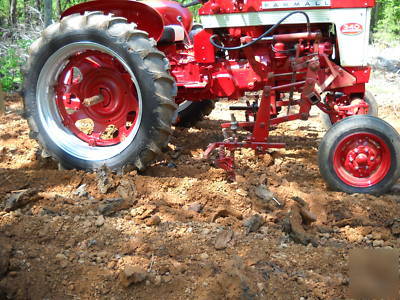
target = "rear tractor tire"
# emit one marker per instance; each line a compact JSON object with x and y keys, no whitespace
{"x":189,"y":113}
{"x":360,"y":154}
{"x":372,"y":110}
{"x":98,"y":93}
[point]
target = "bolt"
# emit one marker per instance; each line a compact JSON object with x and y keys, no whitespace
{"x":356,"y":168}
{"x":93,"y":100}
{"x":372,"y":158}
{"x":356,"y":150}
{"x":351,"y":159}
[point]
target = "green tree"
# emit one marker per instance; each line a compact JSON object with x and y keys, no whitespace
{"x":386,"y":20}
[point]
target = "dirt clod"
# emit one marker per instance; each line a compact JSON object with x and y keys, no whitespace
{"x":196,"y":207}
{"x":307,"y":216}
{"x":18,"y":199}
{"x":204,"y":256}
{"x":264,"y":193}
{"x":223,"y":238}
{"x":126,"y":189}
{"x":100,"y":221}
{"x":104,"y":182}
{"x":113,"y":205}
{"x":132,"y":275}
{"x":81,"y":191}
{"x":5,"y":254}
{"x":297,"y":231}
{"x":253,"y":223}
{"x":395,"y":227}
{"x":153,"y":221}
{"x":226,"y":212}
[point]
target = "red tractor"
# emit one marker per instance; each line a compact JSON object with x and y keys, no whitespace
{"x":108,"y":80}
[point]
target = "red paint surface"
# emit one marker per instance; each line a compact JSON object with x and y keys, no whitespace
{"x":94,"y":73}
{"x":362,"y":159}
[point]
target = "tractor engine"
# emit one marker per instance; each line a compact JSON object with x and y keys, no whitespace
{"x":221,"y":61}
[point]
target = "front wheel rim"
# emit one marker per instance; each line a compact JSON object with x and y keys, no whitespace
{"x":84,"y":70}
{"x":362,"y":160}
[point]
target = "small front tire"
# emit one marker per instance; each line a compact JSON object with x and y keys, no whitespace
{"x":360,"y":154}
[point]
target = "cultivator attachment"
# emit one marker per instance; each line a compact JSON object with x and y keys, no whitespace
{"x":257,"y":141}
{"x":265,"y":113}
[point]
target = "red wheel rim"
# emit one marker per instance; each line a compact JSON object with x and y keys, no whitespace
{"x":362,"y":159}
{"x":112,"y":116}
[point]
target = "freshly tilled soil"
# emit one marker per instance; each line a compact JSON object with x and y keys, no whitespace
{"x":180,"y":230}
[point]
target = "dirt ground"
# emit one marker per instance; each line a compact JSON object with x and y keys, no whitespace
{"x":180,"y":230}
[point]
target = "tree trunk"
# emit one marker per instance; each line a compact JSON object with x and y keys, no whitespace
{"x":48,"y":10}
{"x":59,"y":9}
{"x":38,"y":5}
{"x":26,"y":4}
{"x":13,"y":12}
{"x":374,"y":19}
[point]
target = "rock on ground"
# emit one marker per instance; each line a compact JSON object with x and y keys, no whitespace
{"x":132,"y":275}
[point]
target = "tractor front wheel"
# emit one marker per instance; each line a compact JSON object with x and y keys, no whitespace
{"x":98,"y":92}
{"x":360,"y":154}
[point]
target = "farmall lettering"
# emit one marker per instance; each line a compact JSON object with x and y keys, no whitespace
{"x":294,"y":4}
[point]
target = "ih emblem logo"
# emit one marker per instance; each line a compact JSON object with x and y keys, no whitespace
{"x":351,"y":28}
{"x":294,"y":4}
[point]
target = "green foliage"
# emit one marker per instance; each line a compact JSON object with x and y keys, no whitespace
{"x":10,"y":64}
{"x":386,"y":20}
{"x":4,"y":9}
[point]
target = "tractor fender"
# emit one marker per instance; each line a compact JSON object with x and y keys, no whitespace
{"x":172,"y":13}
{"x":146,"y":17}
